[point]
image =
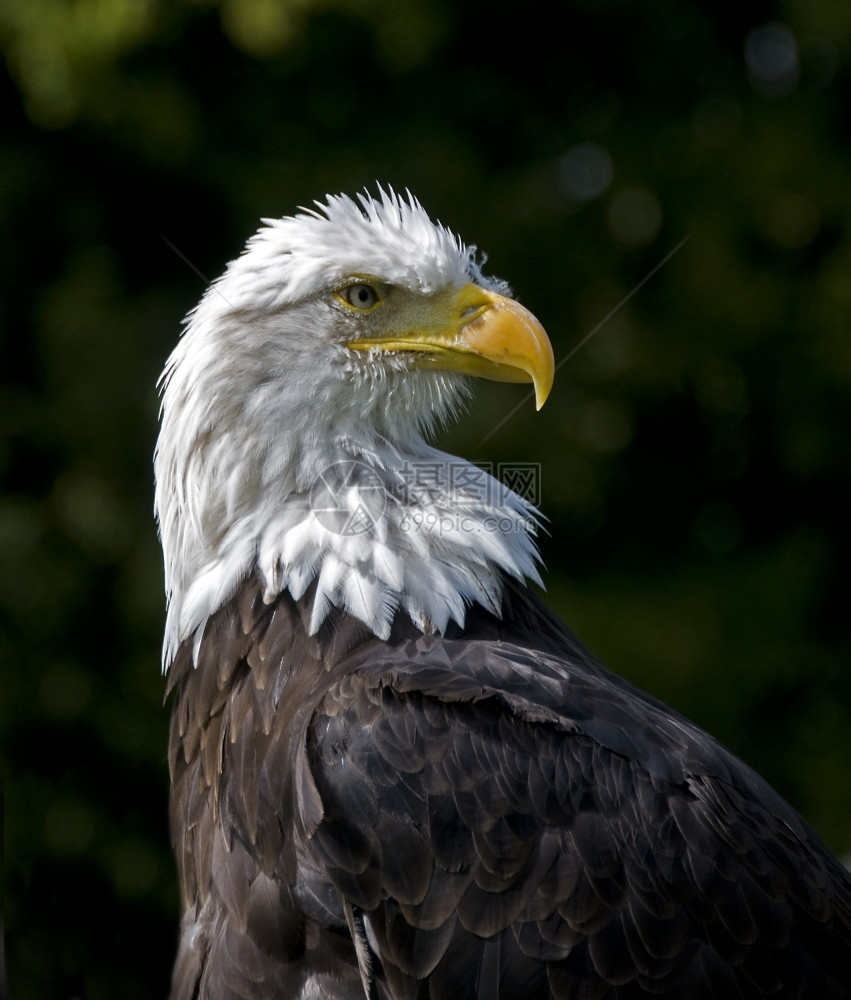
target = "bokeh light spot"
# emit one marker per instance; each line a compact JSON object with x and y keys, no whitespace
{"x":771,"y":56}
{"x":585,"y":171}
{"x":634,"y":216}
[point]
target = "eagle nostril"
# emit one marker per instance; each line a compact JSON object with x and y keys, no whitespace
{"x":472,"y":312}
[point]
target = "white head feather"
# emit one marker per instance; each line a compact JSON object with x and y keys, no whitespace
{"x":266,"y":414}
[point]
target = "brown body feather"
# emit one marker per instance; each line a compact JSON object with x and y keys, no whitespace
{"x":480,"y":815}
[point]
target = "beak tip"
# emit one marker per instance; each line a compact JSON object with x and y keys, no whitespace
{"x":542,"y":392}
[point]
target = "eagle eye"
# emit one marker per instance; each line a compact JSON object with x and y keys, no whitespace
{"x":359,"y":295}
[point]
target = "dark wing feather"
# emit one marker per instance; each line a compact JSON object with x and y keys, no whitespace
{"x":488,"y":814}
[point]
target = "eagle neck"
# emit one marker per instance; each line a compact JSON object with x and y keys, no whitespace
{"x":370,"y":527}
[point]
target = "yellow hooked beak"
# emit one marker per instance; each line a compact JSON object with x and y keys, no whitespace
{"x":477,"y":332}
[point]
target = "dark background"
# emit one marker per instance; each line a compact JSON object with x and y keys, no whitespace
{"x":694,"y":453}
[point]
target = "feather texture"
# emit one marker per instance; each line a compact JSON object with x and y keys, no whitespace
{"x":392,"y":794}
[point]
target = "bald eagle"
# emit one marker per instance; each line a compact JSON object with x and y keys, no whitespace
{"x":394,"y":773}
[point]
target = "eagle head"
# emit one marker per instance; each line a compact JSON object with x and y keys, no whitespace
{"x":310,"y":372}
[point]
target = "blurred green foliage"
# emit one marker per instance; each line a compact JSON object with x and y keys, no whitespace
{"x":695,"y":466}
